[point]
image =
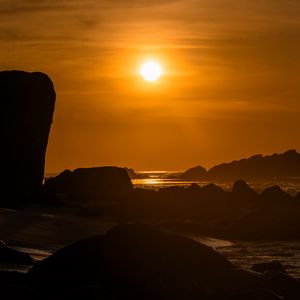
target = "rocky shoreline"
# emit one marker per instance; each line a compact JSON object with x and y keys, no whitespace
{"x":137,"y":261}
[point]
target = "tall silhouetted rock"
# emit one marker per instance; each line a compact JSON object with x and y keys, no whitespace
{"x":27,"y":106}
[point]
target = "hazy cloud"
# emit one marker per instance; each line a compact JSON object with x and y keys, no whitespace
{"x":226,"y":59}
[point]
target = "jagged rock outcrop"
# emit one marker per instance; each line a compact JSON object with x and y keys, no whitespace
{"x":27,"y":106}
{"x":256,"y":167}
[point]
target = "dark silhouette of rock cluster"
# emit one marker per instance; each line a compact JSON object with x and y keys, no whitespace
{"x":241,"y":213}
{"x":27,"y":106}
{"x":256,"y":167}
{"x":136,"y":261}
{"x":238,"y":214}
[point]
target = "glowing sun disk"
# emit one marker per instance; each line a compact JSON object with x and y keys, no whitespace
{"x":150,"y":71}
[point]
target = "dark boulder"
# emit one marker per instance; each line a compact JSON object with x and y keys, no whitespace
{"x":275,"y":195}
{"x":8,"y":255}
{"x":196,"y":173}
{"x":137,"y":262}
{"x":60,"y":184}
{"x":243,"y":191}
{"x":91,"y":184}
{"x":27,"y":106}
{"x":273,"y":265}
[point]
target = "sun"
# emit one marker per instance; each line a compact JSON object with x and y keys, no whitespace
{"x":150,"y":71}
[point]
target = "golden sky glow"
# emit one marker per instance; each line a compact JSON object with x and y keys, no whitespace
{"x":229,"y":88}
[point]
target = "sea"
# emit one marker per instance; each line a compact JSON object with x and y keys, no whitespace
{"x":161,"y":179}
{"x":41,"y":234}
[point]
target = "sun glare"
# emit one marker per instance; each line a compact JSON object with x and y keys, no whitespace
{"x":151,"y":71}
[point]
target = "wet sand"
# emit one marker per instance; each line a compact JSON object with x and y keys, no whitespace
{"x":48,"y":232}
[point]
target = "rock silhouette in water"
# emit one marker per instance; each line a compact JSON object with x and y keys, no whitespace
{"x":196,"y":173}
{"x":27,"y":106}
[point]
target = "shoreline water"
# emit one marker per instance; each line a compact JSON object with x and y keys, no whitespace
{"x":155,"y":180}
{"x":160,"y":179}
{"x":46,"y":233}
{"x":240,"y":253}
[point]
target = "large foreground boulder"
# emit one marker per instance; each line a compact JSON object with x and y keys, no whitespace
{"x":27,"y":106}
{"x":135,"y":261}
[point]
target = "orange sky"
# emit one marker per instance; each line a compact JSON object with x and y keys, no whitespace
{"x":230,"y":89}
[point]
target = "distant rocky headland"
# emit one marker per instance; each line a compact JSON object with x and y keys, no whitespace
{"x":254,"y":168}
